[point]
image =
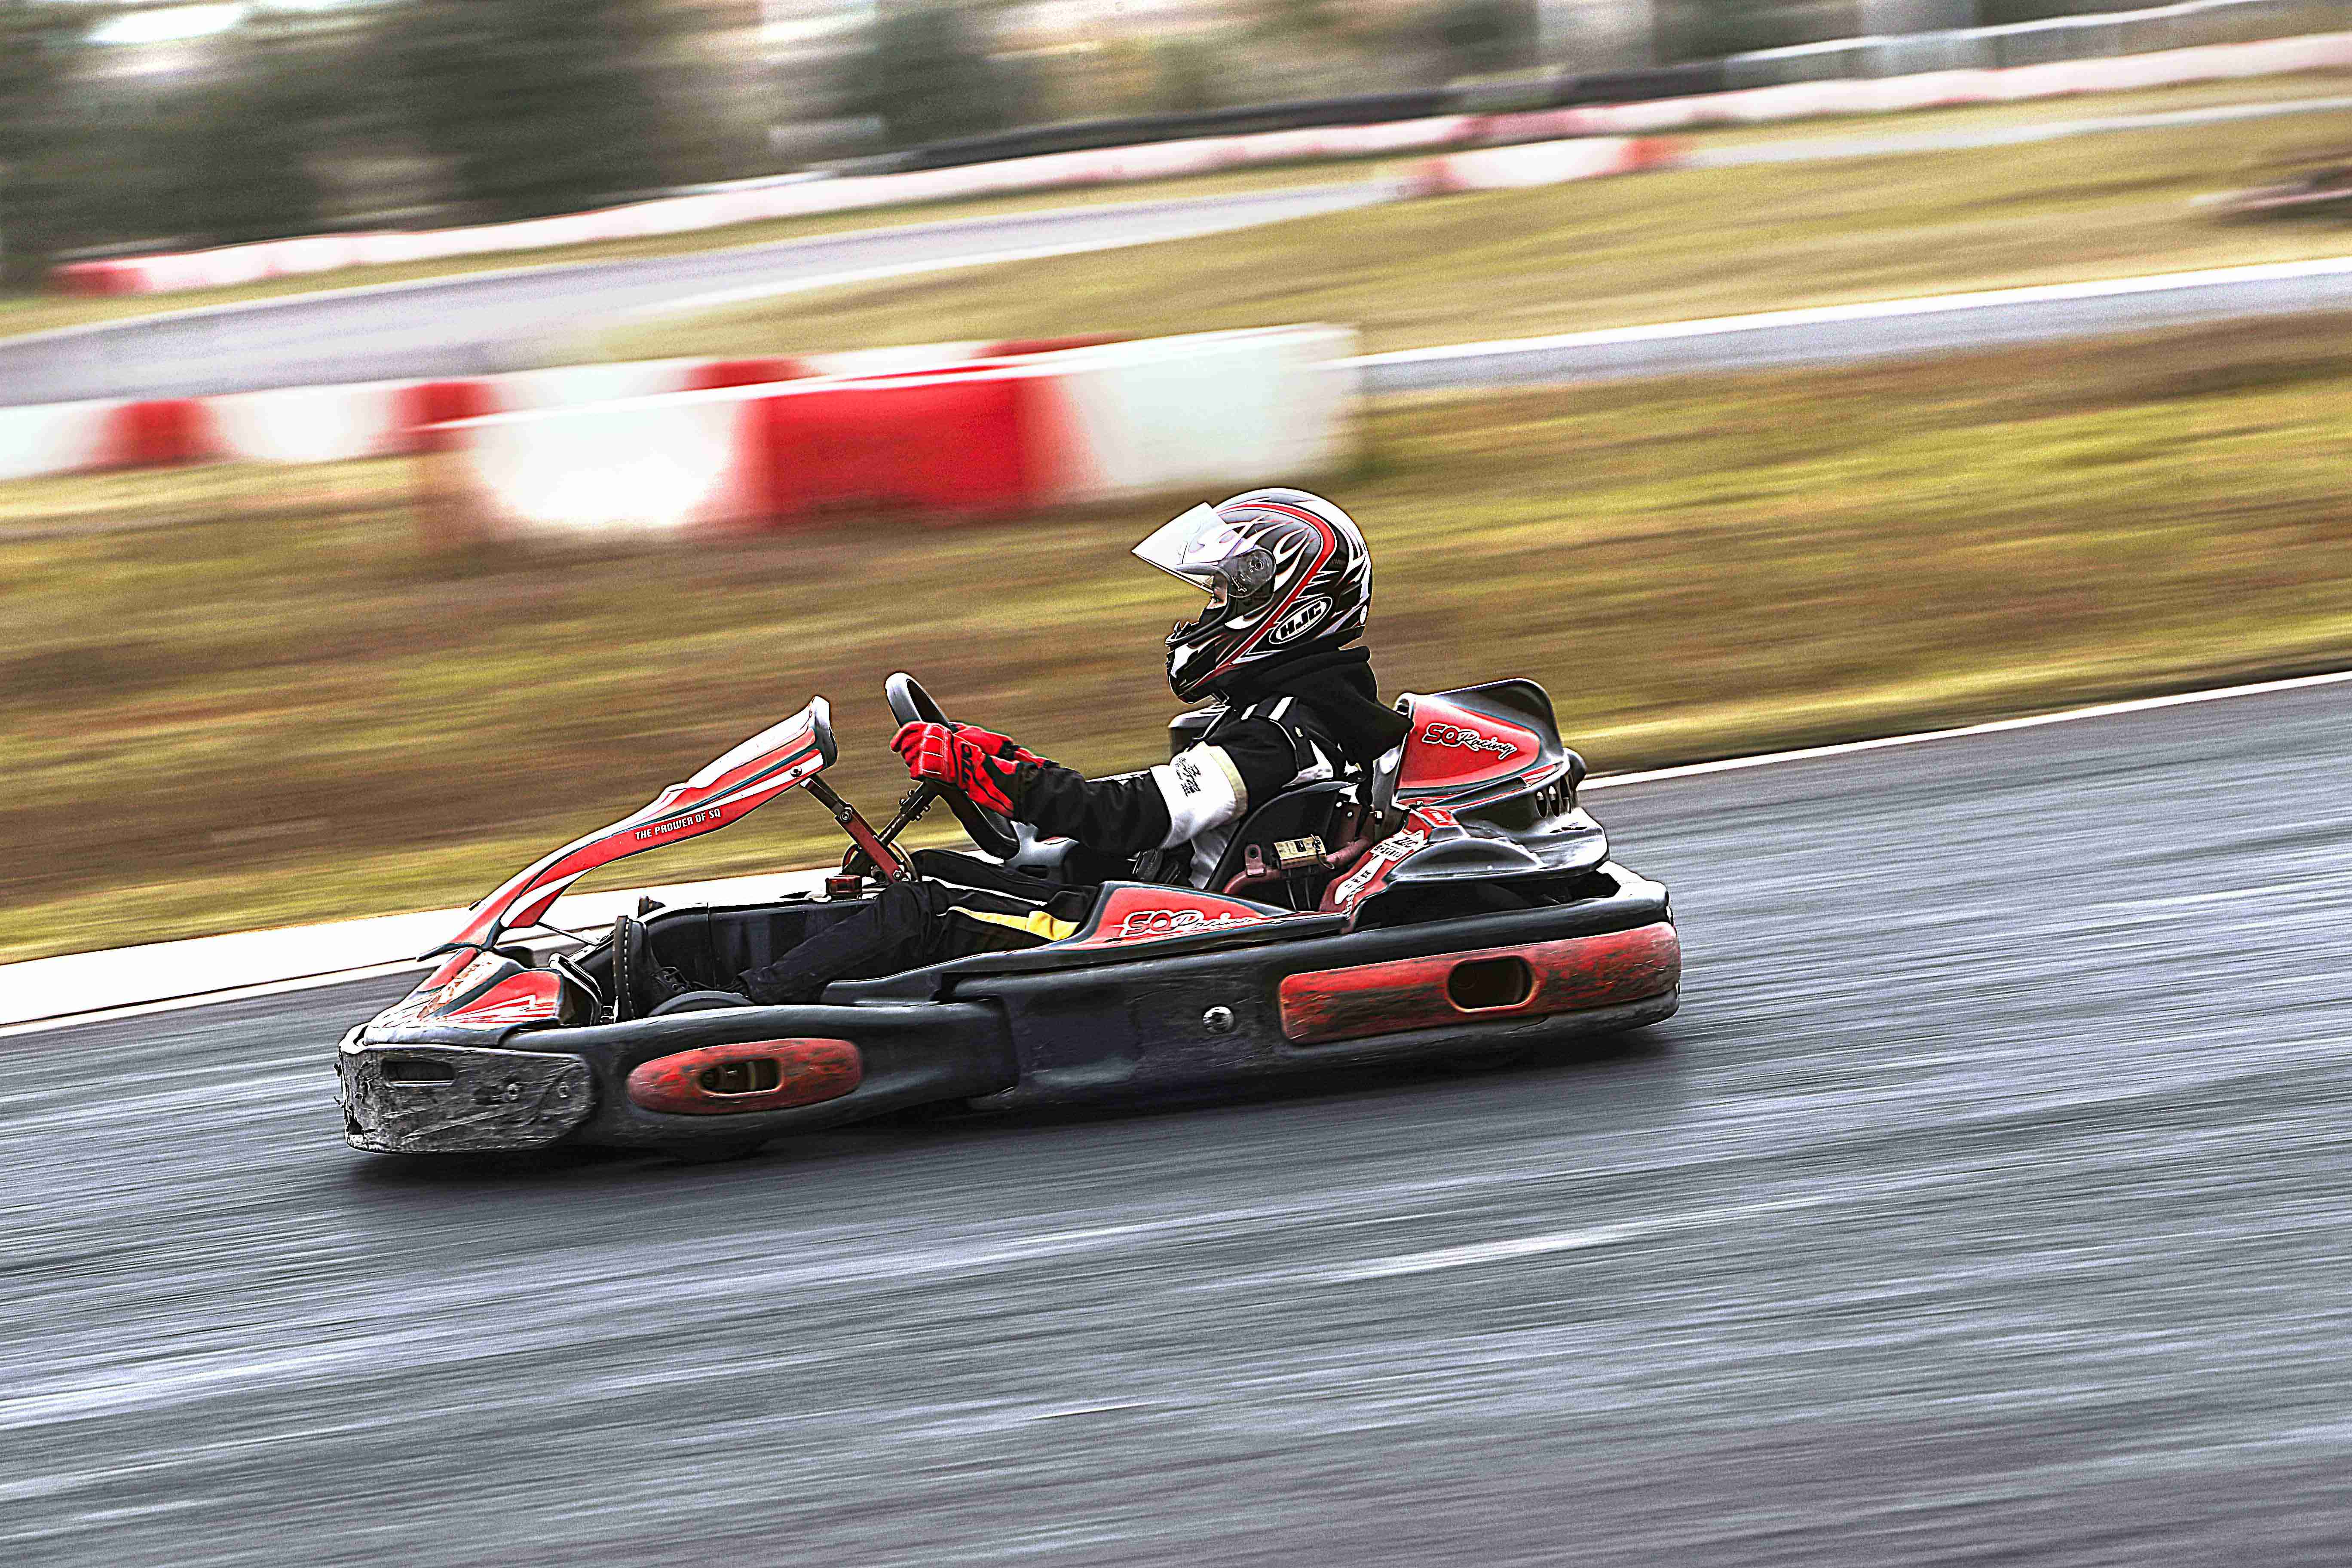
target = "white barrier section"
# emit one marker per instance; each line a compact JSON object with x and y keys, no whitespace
{"x":891,"y":360}
{"x":574,"y":385}
{"x":55,"y":437}
{"x":641,"y":465}
{"x":1234,"y":407}
{"x":1540,"y":163}
{"x":313,"y":424}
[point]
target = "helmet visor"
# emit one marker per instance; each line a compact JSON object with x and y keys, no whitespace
{"x":1197,"y":547}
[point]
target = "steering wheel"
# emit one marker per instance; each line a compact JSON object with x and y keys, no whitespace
{"x":910,"y":704}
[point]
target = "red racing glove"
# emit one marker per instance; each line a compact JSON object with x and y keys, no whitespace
{"x":939,"y":753}
{"x":1002,"y":748}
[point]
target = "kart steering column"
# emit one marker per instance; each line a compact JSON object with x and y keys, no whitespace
{"x":885,"y":861}
{"x":910,"y":810}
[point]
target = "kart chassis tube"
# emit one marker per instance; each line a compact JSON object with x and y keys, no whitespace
{"x":1126,"y":1028}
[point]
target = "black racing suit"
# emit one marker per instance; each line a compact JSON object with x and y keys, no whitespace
{"x":1315,"y":715}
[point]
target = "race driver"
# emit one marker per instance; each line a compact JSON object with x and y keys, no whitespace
{"x":1289,"y":584}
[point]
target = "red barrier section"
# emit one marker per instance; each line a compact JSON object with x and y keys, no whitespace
{"x":93,"y":279}
{"x":432,"y":403}
{"x":156,"y":433}
{"x":1656,"y":151}
{"x":722,"y":373}
{"x":955,"y":447}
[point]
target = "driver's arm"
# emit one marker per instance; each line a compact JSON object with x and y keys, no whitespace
{"x":1202,"y":787}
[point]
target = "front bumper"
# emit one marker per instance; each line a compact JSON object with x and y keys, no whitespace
{"x":528,"y":1088}
{"x":453,"y":1100}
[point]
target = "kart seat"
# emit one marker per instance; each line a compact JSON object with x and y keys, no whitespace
{"x":1251,"y":866}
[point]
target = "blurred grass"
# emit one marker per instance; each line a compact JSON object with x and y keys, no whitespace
{"x":233,"y":698}
{"x":1664,"y":246}
{"x":31,"y":313}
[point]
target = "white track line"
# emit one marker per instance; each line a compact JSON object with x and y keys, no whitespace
{"x":1873,"y":310}
{"x":210,"y":998}
{"x":1691,"y":770}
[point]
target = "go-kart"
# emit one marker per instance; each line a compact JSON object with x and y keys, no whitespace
{"x":1457,"y":904}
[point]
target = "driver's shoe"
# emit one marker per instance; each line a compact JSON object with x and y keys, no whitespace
{"x":641,"y":983}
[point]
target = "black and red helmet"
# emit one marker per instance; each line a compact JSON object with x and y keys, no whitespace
{"x":1281,"y":567}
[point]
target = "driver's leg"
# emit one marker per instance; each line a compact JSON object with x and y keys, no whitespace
{"x":913,"y":922}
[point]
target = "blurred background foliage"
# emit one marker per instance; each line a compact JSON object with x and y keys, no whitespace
{"x":145,"y":124}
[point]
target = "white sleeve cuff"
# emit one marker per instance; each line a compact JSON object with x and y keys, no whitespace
{"x":1203,"y":789}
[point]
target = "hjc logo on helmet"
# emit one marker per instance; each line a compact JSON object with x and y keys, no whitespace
{"x":1467,"y":740}
{"x":1302,"y":619}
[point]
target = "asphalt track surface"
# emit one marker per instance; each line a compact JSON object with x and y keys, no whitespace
{"x":1985,"y":1203}
{"x":515,"y":319}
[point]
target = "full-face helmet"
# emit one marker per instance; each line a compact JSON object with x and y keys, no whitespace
{"x":1282,"y":568}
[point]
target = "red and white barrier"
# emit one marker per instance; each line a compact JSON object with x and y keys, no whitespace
{"x":1886,"y":95}
{"x":386,"y":418}
{"x":990,"y":436}
{"x":1540,"y":163}
{"x":1164,"y":160}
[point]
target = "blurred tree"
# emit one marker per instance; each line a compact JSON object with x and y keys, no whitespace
{"x":1327,"y":20}
{"x":104,"y":150}
{"x":1481,"y":38}
{"x":38,"y":46}
{"x":929,"y":75}
{"x":531,"y":102}
{"x":1710,"y":29}
{"x":547,"y":106}
{"x":1188,"y":75}
{"x":232,"y":155}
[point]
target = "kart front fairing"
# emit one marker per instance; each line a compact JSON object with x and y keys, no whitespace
{"x":479,"y":989}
